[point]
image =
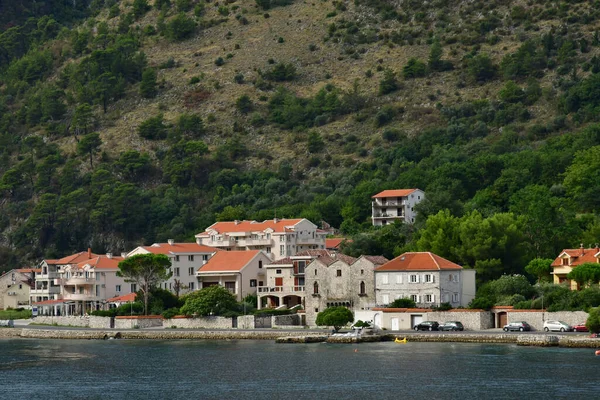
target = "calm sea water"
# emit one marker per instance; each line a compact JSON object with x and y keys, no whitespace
{"x":120,"y":369}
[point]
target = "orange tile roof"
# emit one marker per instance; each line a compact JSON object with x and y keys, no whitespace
{"x":48,"y":302}
{"x":334,"y":243}
{"x":225,"y":261}
{"x":29,"y":270}
{"x":175,"y":248}
{"x":73,"y":258}
{"x":393,"y":193}
{"x":102,"y":262}
{"x":126,"y":298}
{"x":578,"y":256}
{"x":282,"y":225}
{"x":418,"y":261}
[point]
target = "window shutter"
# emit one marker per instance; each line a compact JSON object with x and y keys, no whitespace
{"x":418,"y":299}
{"x":399,"y":278}
{"x":417,"y":278}
{"x":433,"y":298}
{"x":432,"y":278}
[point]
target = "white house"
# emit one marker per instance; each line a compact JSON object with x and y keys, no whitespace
{"x":279,"y":238}
{"x":395,"y":205}
{"x":186,"y":260}
{"x":426,"y":278}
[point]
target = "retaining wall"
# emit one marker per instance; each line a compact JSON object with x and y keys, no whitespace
{"x":141,"y":322}
{"x":536,"y":318}
{"x":287,"y":321}
{"x":475,"y":320}
{"x":198,"y":323}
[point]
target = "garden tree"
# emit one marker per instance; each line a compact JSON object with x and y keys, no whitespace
{"x":147,"y":271}
{"x":212,"y":300}
{"x":403,"y":303}
{"x":508,"y":285}
{"x":540,"y":268}
{"x":440,"y":235}
{"x":585,"y":274}
{"x":159,"y":300}
{"x":148,"y":84}
{"x":178,"y":286}
{"x":593,"y":321}
{"x":89,"y":144}
{"x":335,"y":316}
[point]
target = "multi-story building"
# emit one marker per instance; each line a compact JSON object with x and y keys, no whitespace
{"x":186,"y":260}
{"x":14,"y":288}
{"x":340,"y":280}
{"x":395,"y":205}
{"x":278,"y":238}
{"x":569,"y":259}
{"x":241,"y":272}
{"x":426,"y":278}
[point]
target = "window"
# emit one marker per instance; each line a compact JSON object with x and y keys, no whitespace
{"x":338,"y":272}
{"x":429,"y":298}
{"x":268,"y":236}
{"x":230,"y":286}
{"x":260,"y":283}
{"x":176,"y":258}
{"x":414,"y":298}
{"x":315,"y":272}
{"x":399,"y":278}
{"x":456,"y":278}
{"x":260,"y":264}
{"x":428,"y":278}
{"x":282,"y":249}
{"x":176,"y":272}
{"x":133,"y":288}
{"x":455,"y":298}
{"x":97,"y":275}
{"x":20,"y":286}
{"x":362,"y":288}
{"x":281,"y":238}
{"x":191,"y":286}
{"x":205,"y":257}
{"x":384,"y":279}
{"x":118,"y":288}
{"x":316,"y":310}
{"x":301,"y":266}
{"x":565,"y":261}
{"x":191,"y":271}
{"x":301,"y":281}
{"x":190,"y":258}
{"x":278,"y":271}
{"x":268,"y":250}
{"x":414,"y":278}
{"x":316,"y":288}
{"x":362,"y":271}
{"x":252,"y":282}
{"x":385,"y":299}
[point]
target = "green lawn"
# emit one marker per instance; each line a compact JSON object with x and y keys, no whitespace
{"x":14,"y":314}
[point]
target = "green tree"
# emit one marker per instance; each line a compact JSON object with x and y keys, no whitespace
{"x":512,"y":93}
{"x":89,"y":144}
{"x":388,"y":83}
{"x":335,"y":316}
{"x":147,"y":271}
{"x":540,"y":268}
{"x":83,"y":119}
{"x":593,"y":321}
{"x":403,"y":303}
{"x":414,"y":68}
{"x":153,"y":128}
{"x":584,"y":274}
{"x":315,"y":142}
{"x":581,"y":179}
{"x":180,"y":27}
{"x":244,"y":104}
{"x":213,"y":300}
{"x":481,"y":68}
{"x":148,"y":85}
{"x":140,"y":7}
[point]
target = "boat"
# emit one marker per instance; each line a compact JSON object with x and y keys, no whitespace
{"x":400,"y":341}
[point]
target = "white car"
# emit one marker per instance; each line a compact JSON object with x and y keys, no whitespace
{"x":558,"y":326}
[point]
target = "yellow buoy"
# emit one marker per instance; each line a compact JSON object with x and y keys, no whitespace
{"x":400,"y":341}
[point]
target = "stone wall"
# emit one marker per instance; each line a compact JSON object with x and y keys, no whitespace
{"x":536,"y":318}
{"x":286,"y":321}
{"x":86,"y":321}
{"x":203,"y":322}
{"x":471,"y":320}
{"x":138,"y":322}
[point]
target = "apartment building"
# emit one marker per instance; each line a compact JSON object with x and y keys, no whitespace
{"x":186,"y":260}
{"x":390,"y":206}
{"x":278,"y":238}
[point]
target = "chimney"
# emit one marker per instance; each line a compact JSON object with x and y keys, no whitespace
{"x":237,"y":222}
{"x":582,"y":249}
{"x":108,"y":255}
{"x":276,"y":220}
{"x":170,"y":241}
{"x":89,"y":252}
{"x":123,"y":255}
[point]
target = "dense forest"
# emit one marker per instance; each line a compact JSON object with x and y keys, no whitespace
{"x":129,"y":122}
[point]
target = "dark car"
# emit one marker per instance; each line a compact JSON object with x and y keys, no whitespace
{"x":427,"y":326}
{"x":517,"y":326}
{"x":452,"y":326}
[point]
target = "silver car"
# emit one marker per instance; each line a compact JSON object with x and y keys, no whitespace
{"x":557,"y":326}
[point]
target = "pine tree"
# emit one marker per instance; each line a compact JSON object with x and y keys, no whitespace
{"x":148,"y":85}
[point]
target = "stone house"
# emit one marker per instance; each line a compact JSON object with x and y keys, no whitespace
{"x":426,"y":278}
{"x":278,"y":238}
{"x":340,"y":280}
{"x":390,"y":206}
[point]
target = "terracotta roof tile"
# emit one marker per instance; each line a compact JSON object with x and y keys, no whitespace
{"x":225,"y":261}
{"x":334,"y":243}
{"x":578,"y":256}
{"x":29,"y":270}
{"x":73,"y":258}
{"x":377,"y":260}
{"x":394,"y":193}
{"x":179,"y":248}
{"x":418,"y":261}
{"x":282,"y":225}
{"x":48,"y":302}
{"x":102,"y":262}
{"x":126,"y":298}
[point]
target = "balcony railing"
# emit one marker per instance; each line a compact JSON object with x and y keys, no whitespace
{"x":387,"y":215}
{"x":80,"y":296}
{"x":281,"y":289}
{"x":255,"y":242}
{"x":309,"y":241}
{"x":79,"y":280}
{"x":45,"y":290}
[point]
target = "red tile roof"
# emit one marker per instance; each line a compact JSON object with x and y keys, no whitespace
{"x":282,"y":225}
{"x":48,"y":302}
{"x":73,"y":258}
{"x":334,"y":243}
{"x":377,"y":260}
{"x":418,"y":261}
{"x":178,"y":248}
{"x":393,"y":193}
{"x":102,"y":262}
{"x":225,"y":261}
{"x":578,"y":256}
{"x":29,"y":270}
{"x":126,"y":298}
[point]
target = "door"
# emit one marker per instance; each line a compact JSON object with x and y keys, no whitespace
{"x":395,"y":324}
{"x":278,"y":281}
{"x":502,"y":319}
{"x":415,"y":320}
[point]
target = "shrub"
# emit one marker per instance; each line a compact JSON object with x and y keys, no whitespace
{"x":104,"y":313}
{"x":593,"y":321}
{"x":170,"y":313}
{"x":148,"y":84}
{"x":180,"y":27}
{"x":315,"y":142}
{"x":244,"y":104}
{"x":388,"y":84}
{"x":281,"y":72}
{"x":443,"y":307}
{"x":385,"y":115}
{"x":219,"y":61}
{"x":481,"y":68}
{"x":512,"y":93}
{"x":153,"y":128}
{"x":403,"y":303}
{"x":414,"y":69}
{"x":484,"y":303}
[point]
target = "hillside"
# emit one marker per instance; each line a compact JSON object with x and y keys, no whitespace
{"x":129,"y":122}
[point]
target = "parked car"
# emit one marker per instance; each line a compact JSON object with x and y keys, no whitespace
{"x":580,"y":327}
{"x":557,"y":326}
{"x":427,"y":326}
{"x":451,"y":326}
{"x":517,"y":326}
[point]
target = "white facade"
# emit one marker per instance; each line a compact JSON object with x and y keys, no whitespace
{"x":279,"y":238}
{"x":14,"y":289}
{"x":395,"y":205}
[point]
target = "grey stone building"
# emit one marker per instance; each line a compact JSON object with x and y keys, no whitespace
{"x":340,"y":280}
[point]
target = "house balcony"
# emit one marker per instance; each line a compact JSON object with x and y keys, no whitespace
{"x":389,"y":203}
{"x":79,"y":280}
{"x":309,"y":241}
{"x":379,"y":215}
{"x":222,"y":243}
{"x":45,"y":290}
{"x":281,"y":290}
{"x":80,"y":297}
{"x":255,"y":242}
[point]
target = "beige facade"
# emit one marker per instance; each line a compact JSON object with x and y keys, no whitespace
{"x":14,"y":289}
{"x":569,"y":259}
{"x":390,"y":206}
{"x":278,"y":238}
{"x":340,"y":281}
